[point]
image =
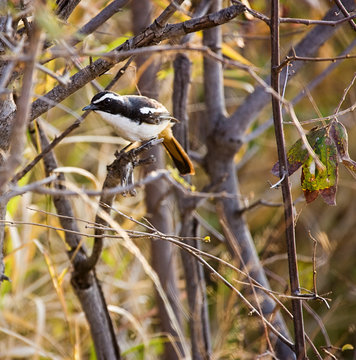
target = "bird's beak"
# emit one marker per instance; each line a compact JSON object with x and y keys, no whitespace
{"x":89,"y":107}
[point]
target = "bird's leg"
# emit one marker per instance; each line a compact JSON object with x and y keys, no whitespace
{"x":144,"y":147}
{"x":149,"y":143}
{"x":123,"y":150}
{"x":127,"y":146}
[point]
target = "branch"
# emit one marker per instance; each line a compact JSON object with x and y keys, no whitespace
{"x":222,"y":171}
{"x":157,"y":199}
{"x":98,"y":20}
{"x":87,"y":288}
{"x":65,"y":8}
{"x":241,"y":119}
{"x":285,"y":184}
{"x":341,"y":6}
{"x":94,"y":23}
{"x":19,"y":125}
{"x":120,"y":173}
{"x":315,"y":82}
{"x":145,"y":38}
{"x":317,"y":22}
{"x":289,"y":59}
{"x":68,"y":130}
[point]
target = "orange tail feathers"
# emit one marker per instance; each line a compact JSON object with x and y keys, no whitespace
{"x":177,"y":153}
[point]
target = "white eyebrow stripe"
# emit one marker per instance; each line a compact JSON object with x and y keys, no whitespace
{"x":108,"y":96}
{"x":149,"y":110}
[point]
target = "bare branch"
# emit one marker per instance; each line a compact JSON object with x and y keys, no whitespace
{"x":289,"y":59}
{"x":337,"y":110}
{"x":316,"y":81}
{"x":65,"y":8}
{"x":68,"y":130}
{"x":19,"y":125}
{"x":87,"y":287}
{"x":299,"y":334}
{"x":241,"y":119}
{"x":120,"y":173}
{"x":326,"y":118}
{"x":317,"y":22}
{"x":343,"y":9}
{"x":94,"y":23}
{"x":194,"y":276}
{"x":100,"y":66}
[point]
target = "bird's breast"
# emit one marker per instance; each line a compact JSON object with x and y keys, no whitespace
{"x":132,"y":130}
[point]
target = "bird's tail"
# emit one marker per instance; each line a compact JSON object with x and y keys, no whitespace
{"x":177,"y":153}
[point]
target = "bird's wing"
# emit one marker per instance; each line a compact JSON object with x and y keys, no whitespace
{"x":148,"y":110}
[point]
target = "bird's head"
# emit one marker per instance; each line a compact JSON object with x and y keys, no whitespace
{"x":105,"y":101}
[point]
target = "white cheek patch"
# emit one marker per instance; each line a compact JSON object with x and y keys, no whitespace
{"x":108,"y":96}
{"x":147,"y":110}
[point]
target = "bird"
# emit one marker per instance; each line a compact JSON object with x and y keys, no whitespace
{"x":140,"y":118}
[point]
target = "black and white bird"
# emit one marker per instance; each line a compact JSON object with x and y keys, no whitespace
{"x":139,"y":118}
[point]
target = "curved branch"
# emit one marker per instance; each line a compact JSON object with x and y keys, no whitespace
{"x":145,"y":38}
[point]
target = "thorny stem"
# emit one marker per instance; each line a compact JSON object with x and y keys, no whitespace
{"x":285,"y":186}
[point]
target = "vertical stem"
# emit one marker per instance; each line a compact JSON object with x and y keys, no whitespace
{"x":285,"y":185}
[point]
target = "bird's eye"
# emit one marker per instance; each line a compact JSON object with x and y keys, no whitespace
{"x":107,"y":101}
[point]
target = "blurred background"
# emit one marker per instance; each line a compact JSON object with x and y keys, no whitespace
{"x":40,"y":315}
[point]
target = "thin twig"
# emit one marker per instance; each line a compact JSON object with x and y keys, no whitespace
{"x":314,"y":264}
{"x":149,"y":36}
{"x":119,"y":172}
{"x":299,"y":333}
{"x":233,"y":242}
{"x":19,"y":125}
{"x":317,"y":22}
{"x":61,"y":79}
{"x":289,"y":59}
{"x":326,"y":118}
{"x":319,"y":321}
{"x":348,"y":17}
{"x":341,"y":6}
{"x":68,"y":130}
{"x":345,"y":93}
{"x":262,"y":128}
{"x":6,"y":73}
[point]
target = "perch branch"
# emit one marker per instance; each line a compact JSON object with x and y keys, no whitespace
{"x":147,"y":37}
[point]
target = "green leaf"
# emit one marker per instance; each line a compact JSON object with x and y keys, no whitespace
{"x":298,"y":154}
{"x":315,"y":179}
